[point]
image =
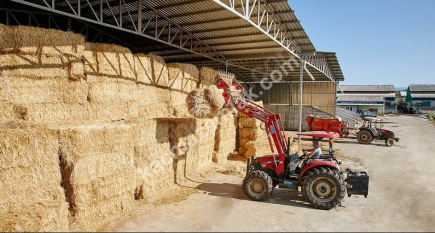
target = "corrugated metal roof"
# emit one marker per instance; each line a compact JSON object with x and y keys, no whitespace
{"x":367,"y":88}
{"x":422,"y":95}
{"x":422,"y":87}
{"x":362,"y":97}
{"x":334,"y":64}
{"x":209,"y":21}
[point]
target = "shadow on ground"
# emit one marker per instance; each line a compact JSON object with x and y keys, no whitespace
{"x":228,"y":190}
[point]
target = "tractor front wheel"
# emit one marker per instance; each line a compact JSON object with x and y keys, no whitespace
{"x":389,"y":142}
{"x":257,"y":185}
{"x":323,"y":188}
{"x":364,"y":137}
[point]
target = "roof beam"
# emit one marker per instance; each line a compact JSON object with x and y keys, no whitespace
{"x":252,"y":42}
{"x":239,"y":27}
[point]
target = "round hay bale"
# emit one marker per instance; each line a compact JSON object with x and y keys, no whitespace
{"x":214,"y":96}
{"x":197,"y":105}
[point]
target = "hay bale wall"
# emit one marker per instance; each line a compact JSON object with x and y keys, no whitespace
{"x":98,"y":170}
{"x":183,"y":78}
{"x":96,"y":105}
{"x":152,"y":158}
{"x":252,"y":139}
{"x":225,"y":139}
{"x":32,"y":198}
{"x":206,"y":77}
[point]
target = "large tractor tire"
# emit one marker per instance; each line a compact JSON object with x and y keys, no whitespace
{"x":257,"y":185}
{"x":389,"y":142}
{"x":364,"y":137}
{"x":323,"y":188}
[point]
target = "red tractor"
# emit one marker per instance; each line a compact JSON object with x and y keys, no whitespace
{"x":321,"y":180}
{"x":372,"y":129}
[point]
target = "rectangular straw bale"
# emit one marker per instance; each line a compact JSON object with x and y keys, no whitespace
{"x":247,"y":122}
{"x":206,"y":76}
{"x":32,"y":198}
{"x":178,"y":102}
{"x":27,"y":147}
{"x":23,"y":185}
{"x":93,"y":216}
{"x":201,"y":146}
{"x":42,"y":216}
{"x":160,"y":71}
{"x":8,"y":35}
{"x":154,"y":102}
{"x":109,"y":60}
{"x":115,"y":111}
{"x":153,"y":158}
{"x":32,"y":40}
{"x":33,"y":66}
{"x":78,"y":142}
{"x":225,"y":142}
{"x":104,"y":188}
{"x":183,"y":77}
{"x":257,"y":148}
{"x":54,"y":90}
{"x":250,"y":133}
{"x":144,"y":70}
{"x":108,"y":90}
{"x":58,"y":112}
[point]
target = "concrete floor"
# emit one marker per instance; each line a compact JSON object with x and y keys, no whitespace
{"x":401,"y":194}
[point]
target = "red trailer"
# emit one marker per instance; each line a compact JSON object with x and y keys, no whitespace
{"x":329,"y":125}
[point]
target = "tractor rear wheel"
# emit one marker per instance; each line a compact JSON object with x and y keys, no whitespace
{"x":364,"y":137}
{"x":323,"y":188}
{"x":389,"y":142}
{"x":257,"y":185}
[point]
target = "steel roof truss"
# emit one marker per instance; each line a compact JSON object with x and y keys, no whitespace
{"x":265,"y":14}
{"x":187,"y":41}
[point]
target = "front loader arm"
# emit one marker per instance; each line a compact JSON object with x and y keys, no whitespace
{"x":234,"y":97}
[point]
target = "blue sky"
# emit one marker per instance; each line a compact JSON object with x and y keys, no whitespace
{"x":378,"y":42}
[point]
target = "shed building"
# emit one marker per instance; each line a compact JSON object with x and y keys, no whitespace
{"x":367,"y":99}
{"x":422,"y":96}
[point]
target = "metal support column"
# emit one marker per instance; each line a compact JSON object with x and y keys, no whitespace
{"x":289,"y":103}
{"x":300,"y":97}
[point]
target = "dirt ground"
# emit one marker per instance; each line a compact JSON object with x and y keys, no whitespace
{"x":401,"y":194}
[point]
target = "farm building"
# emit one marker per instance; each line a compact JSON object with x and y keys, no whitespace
{"x":96,"y":118}
{"x":421,"y":96}
{"x":367,"y":99}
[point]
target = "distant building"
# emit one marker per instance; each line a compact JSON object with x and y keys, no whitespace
{"x":422,"y":96}
{"x":367,"y":99}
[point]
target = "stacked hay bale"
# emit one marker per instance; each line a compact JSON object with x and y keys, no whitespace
{"x":110,"y":74}
{"x":206,"y":77}
{"x":226,"y":133}
{"x":252,"y":139}
{"x":183,"y":78}
{"x":81,"y":90}
{"x":41,"y":75}
{"x":193,"y":143}
{"x":153,"y":96}
{"x":153,"y":161}
{"x":98,"y":171}
{"x":200,"y":146}
{"x":31,"y":197}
